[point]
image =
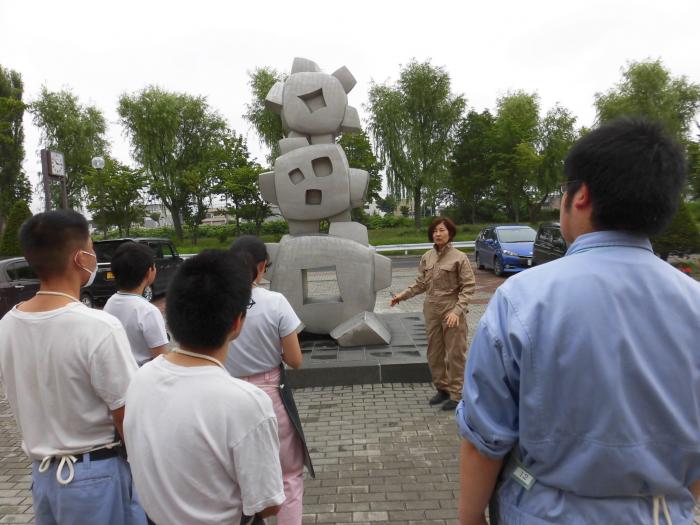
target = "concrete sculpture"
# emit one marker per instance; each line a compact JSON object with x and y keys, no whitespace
{"x":312,"y":181}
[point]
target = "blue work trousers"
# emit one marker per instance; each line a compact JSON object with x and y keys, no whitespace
{"x":101,"y":493}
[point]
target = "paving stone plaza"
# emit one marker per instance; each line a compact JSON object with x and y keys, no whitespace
{"x":381,"y":453}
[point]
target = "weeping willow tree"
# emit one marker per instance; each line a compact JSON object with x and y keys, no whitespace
{"x":413,"y":124}
{"x":267,"y":124}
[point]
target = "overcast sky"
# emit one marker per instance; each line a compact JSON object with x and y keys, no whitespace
{"x":565,"y":51}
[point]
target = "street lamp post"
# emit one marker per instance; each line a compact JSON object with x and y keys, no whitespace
{"x":99,"y":163}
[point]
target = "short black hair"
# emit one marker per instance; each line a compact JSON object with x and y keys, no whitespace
{"x":207,"y":293}
{"x":130,"y":264}
{"x":49,"y":239}
{"x":253,"y":248}
{"x":449,"y":224}
{"x":634,"y":171}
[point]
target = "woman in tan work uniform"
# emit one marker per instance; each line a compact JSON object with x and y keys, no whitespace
{"x":445,"y":275}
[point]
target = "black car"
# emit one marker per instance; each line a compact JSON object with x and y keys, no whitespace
{"x":18,"y":283}
{"x":549,"y":244}
{"x":166,"y":258}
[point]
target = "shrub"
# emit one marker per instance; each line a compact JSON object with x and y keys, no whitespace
{"x":10,"y":241}
{"x":681,"y":236}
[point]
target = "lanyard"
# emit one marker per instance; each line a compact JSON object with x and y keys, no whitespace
{"x":198,"y":356}
{"x":59,"y":294}
{"x":132,"y":295}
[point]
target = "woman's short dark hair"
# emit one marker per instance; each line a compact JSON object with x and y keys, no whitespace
{"x":208,"y":292}
{"x":634,"y":171}
{"x":253,"y":248}
{"x":449,"y":224}
{"x":130,"y":264}
{"x":49,"y":239}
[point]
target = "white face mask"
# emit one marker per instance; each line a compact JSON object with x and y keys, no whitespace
{"x":93,"y":273}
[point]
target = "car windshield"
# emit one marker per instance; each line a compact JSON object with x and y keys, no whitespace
{"x":105,"y":250}
{"x":517,"y":235}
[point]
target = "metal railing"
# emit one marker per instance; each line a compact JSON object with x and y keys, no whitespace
{"x":425,"y":246}
{"x":405,"y":248}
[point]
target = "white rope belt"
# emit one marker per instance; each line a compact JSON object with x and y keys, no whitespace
{"x":660,"y":501}
{"x":67,"y":460}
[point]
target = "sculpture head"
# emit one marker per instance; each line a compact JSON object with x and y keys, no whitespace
{"x":311,"y":102}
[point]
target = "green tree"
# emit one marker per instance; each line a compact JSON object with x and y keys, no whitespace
{"x":693,"y":149}
{"x":10,"y":241}
{"x":240,"y":186}
{"x":116,"y":196}
{"x":387,"y":204}
{"x":360,"y":155}
{"x":648,"y":89}
{"x":75,"y":130}
{"x":555,"y":135}
{"x":177,"y":138}
{"x":472,"y":166}
{"x":267,"y":124}
{"x":413,"y":124}
{"x":14,"y":185}
{"x":680,"y":236}
{"x":515,"y":157}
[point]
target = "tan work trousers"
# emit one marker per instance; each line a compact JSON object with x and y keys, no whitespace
{"x":447,"y":347}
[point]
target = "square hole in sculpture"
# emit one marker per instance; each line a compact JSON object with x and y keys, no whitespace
{"x":320,"y":285}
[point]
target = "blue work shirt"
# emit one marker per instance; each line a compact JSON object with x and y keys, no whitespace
{"x":589,"y":368}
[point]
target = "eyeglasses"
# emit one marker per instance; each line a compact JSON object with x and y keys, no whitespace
{"x":564,"y":186}
{"x":267,"y":265}
{"x":250,"y":305}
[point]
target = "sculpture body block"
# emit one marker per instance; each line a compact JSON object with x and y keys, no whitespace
{"x":312,"y":181}
{"x":323,"y":307}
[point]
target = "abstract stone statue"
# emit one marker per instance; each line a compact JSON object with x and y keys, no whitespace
{"x":312,"y":181}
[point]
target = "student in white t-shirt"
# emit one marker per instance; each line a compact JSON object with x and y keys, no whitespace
{"x":203,"y":445}
{"x":134,"y":269}
{"x":268,"y":338}
{"x":65,"y":369}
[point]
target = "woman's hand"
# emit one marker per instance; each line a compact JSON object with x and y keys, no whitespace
{"x":451,"y":320}
{"x":396,"y":299}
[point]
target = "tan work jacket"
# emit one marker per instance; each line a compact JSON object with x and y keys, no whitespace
{"x":448,"y":275}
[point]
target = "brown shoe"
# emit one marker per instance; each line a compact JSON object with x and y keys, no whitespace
{"x":450,"y":404}
{"x":438,"y":398}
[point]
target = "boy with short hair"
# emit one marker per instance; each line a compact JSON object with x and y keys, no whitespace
{"x":65,"y":369}
{"x":134,"y":269}
{"x":202,"y":444}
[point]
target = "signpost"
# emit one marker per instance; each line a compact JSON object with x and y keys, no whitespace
{"x":53,"y":167}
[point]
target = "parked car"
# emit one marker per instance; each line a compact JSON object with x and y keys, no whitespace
{"x":166,"y":258}
{"x":549,"y":244}
{"x":18,"y":283}
{"x":504,"y":248}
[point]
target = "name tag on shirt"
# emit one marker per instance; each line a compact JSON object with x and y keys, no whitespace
{"x":523,"y":477}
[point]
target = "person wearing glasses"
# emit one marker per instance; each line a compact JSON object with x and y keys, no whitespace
{"x":268,"y":339}
{"x":583,"y":383}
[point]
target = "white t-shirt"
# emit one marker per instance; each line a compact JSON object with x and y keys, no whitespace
{"x":142,"y":321}
{"x":202,"y":445}
{"x":258,"y":347}
{"x":63,"y":372}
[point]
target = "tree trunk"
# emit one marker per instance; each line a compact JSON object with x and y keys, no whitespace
{"x":177,"y":223}
{"x":416,"y":206}
{"x":474,"y":202}
{"x":2,"y":226}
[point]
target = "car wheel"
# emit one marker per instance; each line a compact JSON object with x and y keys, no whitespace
{"x":87,"y":300}
{"x":479,"y":265}
{"x":497,"y":266}
{"x":148,"y":293}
